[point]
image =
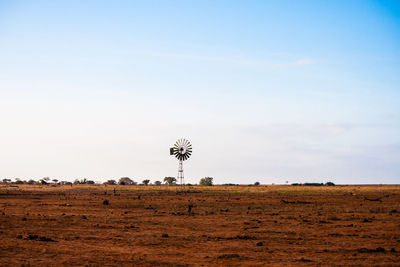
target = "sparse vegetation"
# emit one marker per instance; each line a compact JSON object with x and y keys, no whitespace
{"x":255,"y":219}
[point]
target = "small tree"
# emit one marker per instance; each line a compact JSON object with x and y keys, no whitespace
{"x":55,"y":181}
{"x":206,"y":181}
{"x":6,"y":181}
{"x":170,"y":180}
{"x":18,"y":181}
{"x":126,"y":181}
{"x":157,"y":183}
{"x":146,"y":182}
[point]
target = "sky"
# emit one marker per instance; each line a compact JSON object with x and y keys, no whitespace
{"x":267,"y":91}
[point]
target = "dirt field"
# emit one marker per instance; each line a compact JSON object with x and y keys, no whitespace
{"x":246,"y":226}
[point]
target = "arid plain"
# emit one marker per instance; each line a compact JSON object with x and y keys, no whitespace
{"x":100,"y":225}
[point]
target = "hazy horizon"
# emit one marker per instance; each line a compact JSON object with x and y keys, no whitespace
{"x":297,"y":91}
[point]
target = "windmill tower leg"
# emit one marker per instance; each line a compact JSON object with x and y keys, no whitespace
{"x":180,"y":173}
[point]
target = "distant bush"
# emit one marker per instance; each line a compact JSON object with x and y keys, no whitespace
{"x":313,"y":184}
{"x":229,"y":184}
{"x":83,"y":181}
{"x":157,"y":183}
{"x":206,"y":181}
{"x":111,"y":182}
{"x":257,"y":183}
{"x":146,"y":182}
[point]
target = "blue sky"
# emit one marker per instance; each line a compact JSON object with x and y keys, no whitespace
{"x":268,"y":91}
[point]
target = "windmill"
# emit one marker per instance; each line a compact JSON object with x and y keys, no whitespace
{"x":182,"y":150}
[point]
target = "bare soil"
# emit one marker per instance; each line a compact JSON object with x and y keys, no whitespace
{"x":240,"y":225}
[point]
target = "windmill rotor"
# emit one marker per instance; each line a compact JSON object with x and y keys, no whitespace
{"x":182,"y":149}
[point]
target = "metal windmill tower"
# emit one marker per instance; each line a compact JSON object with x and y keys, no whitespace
{"x":182,"y":150}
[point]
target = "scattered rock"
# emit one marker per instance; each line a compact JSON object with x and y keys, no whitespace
{"x":19,"y":236}
{"x":228,"y":256}
{"x":45,"y":239}
{"x":190,"y":206}
{"x":32,"y":237}
{"x":380,"y":249}
{"x":260,"y":244}
{"x":164,"y":235}
{"x":241,"y":237}
{"x":24,"y":219}
{"x":367,"y":250}
{"x":105,"y":202}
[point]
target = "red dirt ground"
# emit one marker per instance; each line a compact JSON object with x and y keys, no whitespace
{"x":244,"y":226}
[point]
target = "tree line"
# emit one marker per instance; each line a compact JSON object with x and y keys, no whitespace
{"x":206,"y":181}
